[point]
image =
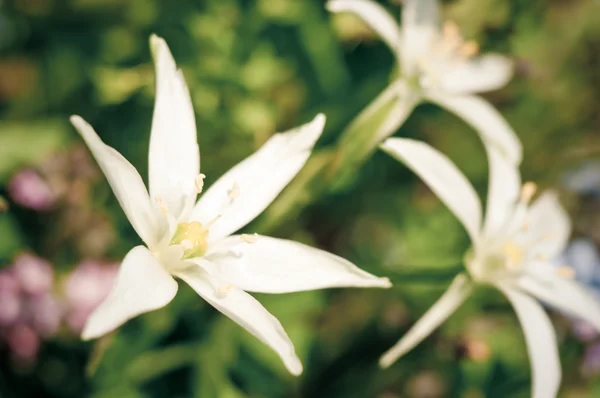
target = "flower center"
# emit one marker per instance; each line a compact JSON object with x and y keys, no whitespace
{"x":502,"y":262}
{"x":448,"y":48}
{"x":192,"y":238}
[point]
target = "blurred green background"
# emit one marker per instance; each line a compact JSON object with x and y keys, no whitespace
{"x":254,"y":68}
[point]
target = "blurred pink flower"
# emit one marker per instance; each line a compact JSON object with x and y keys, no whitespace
{"x":86,"y":287}
{"x":23,"y":341}
{"x":28,"y":189}
{"x":28,"y":309}
{"x":34,"y":274}
{"x":591,"y":361}
{"x":45,"y":313}
{"x":10,"y":302}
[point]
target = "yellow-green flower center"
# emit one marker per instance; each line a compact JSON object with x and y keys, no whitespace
{"x":192,"y":238}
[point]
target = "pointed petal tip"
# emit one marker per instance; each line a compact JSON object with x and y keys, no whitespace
{"x":75,"y":119}
{"x":295,"y":366}
{"x":156,"y":42}
{"x":386,"y":361}
{"x":385,"y":283}
{"x":87,"y":334}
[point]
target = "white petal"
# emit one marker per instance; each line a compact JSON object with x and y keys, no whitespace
{"x":503,"y":191}
{"x":419,"y":29}
{"x":125,"y":182}
{"x":246,"y":311}
{"x":548,"y":226}
{"x":457,"y":293}
{"x":174,"y":157}
{"x":142,"y":285}
{"x":485,"y":73}
{"x":374,"y":15}
{"x":442,"y":177}
{"x":541,"y":343}
{"x":257,"y":180}
{"x":485,"y":119}
{"x":563,"y":294}
{"x":272,"y":265}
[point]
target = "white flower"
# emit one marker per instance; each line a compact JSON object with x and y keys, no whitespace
{"x":511,"y":250}
{"x":436,"y":65}
{"x":192,"y":240}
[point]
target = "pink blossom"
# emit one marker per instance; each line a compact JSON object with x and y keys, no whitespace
{"x":28,"y":189}
{"x":86,"y":287}
{"x":23,"y":341}
{"x":45,"y":313}
{"x":34,"y":274}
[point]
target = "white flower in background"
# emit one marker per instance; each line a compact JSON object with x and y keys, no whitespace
{"x":192,"y":240}
{"x":436,"y":65}
{"x":511,"y":250}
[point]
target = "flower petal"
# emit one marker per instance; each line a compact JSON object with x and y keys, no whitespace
{"x":419,"y":29}
{"x":248,"y":188}
{"x":442,"y":177}
{"x":125,"y":182}
{"x":485,"y":73}
{"x":503,"y":191}
{"x":564,"y":294}
{"x":174,"y":157}
{"x":548,"y":226}
{"x":373,"y":15}
{"x":270,"y":265}
{"x":247,"y":312}
{"x":541,"y":343}
{"x":485,"y":119}
{"x":142,"y":285}
{"x":460,"y":289}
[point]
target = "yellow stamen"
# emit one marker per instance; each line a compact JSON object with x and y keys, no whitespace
{"x":211,"y":222}
{"x":162,"y":204}
{"x":469,"y":48}
{"x":199,"y":183}
{"x":528,"y":191}
{"x":249,"y":238}
{"x":450,"y":30}
{"x":565,"y":272}
{"x":234,"y":192}
{"x":224,"y":290}
{"x":513,"y":254}
{"x":192,"y":238}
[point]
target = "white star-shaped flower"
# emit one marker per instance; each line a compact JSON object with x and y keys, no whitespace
{"x":512,"y":250}
{"x":192,"y":240}
{"x":436,"y":65}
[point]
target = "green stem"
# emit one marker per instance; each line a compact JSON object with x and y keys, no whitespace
{"x":333,"y":169}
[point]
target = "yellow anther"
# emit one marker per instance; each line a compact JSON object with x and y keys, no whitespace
{"x":469,"y":48}
{"x":211,"y":222}
{"x":450,"y":30}
{"x":528,"y":191}
{"x":162,"y":205}
{"x":192,"y":238}
{"x":249,"y":238}
{"x":513,"y":255}
{"x":224,"y":290}
{"x":565,"y":272}
{"x":234,"y":192}
{"x":199,"y":183}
